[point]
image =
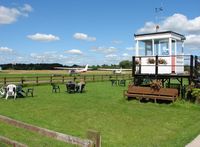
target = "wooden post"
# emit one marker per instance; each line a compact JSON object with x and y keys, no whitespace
{"x":4,"y":81}
{"x":169,"y":83}
{"x":63,"y":79}
{"x":191,"y":68}
{"x":22,"y":80}
{"x":37,"y":80}
{"x":196,"y":66}
{"x":95,"y":137}
{"x":133,"y":66}
{"x":156,"y":69}
{"x":140,"y":65}
{"x":51,"y":79}
{"x":93,"y":78}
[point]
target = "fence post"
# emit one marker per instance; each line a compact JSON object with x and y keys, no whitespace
{"x":37,"y":80}
{"x":22,"y":80}
{"x":156,"y":68}
{"x":196,"y":66}
{"x":63,"y":79}
{"x":93,"y":78}
{"x":4,"y":81}
{"x":95,"y":137}
{"x":133,"y":66}
{"x":51,"y":79}
{"x":191,"y":68}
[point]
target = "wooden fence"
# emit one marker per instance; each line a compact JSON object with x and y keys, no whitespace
{"x":37,"y":80}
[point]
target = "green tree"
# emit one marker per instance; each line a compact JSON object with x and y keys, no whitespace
{"x":125,"y":64}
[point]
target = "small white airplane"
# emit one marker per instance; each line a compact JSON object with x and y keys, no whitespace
{"x":115,"y":71}
{"x":74,"y":70}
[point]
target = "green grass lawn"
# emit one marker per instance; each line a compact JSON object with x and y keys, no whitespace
{"x":102,"y":107}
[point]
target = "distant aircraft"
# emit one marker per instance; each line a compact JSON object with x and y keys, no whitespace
{"x":74,"y":70}
{"x":115,"y":71}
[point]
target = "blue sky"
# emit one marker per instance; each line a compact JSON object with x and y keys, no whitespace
{"x":89,"y":31}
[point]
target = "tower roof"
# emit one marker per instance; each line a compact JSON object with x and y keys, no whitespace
{"x":160,"y":35}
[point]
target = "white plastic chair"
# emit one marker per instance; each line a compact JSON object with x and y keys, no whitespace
{"x":11,"y":91}
{"x":2,"y":92}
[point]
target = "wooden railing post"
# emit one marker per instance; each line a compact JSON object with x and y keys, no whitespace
{"x":133,"y":66}
{"x":51,"y":79}
{"x":95,"y":137}
{"x":93,"y":78}
{"x":37,"y":80}
{"x":63,"y":79}
{"x":191,"y":68}
{"x":196,"y":66}
{"x":156,"y":68}
{"x":4,"y":80}
{"x":22,"y":80}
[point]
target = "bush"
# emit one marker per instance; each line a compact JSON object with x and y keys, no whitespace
{"x":196,"y":94}
{"x":151,"y":61}
{"x":162,"y":61}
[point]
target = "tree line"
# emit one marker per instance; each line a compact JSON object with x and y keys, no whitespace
{"x":51,"y":66}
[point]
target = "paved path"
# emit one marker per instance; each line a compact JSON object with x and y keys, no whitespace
{"x":194,"y":143}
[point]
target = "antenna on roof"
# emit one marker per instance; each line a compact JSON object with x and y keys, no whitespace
{"x":158,"y":10}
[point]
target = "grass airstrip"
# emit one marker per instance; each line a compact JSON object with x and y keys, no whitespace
{"x":102,"y":108}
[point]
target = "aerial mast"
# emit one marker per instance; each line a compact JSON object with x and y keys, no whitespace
{"x":158,"y":10}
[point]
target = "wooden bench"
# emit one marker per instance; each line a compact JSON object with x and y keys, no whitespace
{"x":149,"y":93}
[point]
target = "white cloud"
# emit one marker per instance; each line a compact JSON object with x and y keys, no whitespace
{"x":130,"y":48}
{"x":105,"y":50}
{"x":192,"y":41}
{"x":112,"y":59}
{"x":6,"y":50}
{"x":48,"y":57}
{"x":116,"y":41}
{"x":177,"y":22}
{"x":74,"y":52}
{"x":111,"y":56}
{"x":82,"y":36}
{"x":10,"y":15}
{"x":125,"y":54}
{"x":27,"y":8}
{"x":43,"y":37}
{"x":180,"y":24}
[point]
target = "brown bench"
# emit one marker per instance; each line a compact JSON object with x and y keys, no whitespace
{"x":139,"y":92}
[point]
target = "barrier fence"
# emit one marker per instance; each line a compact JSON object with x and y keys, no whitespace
{"x":37,"y":80}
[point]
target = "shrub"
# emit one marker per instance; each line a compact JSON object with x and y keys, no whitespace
{"x":156,"y":84}
{"x":151,"y":61}
{"x":162,"y":61}
{"x":137,"y":62}
{"x":196,"y":94}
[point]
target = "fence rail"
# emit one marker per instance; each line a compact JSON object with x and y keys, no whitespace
{"x":36,"y":80}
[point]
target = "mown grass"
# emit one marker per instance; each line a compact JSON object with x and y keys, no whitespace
{"x":34,"y":73}
{"x":102,"y":107}
{"x":28,"y":138}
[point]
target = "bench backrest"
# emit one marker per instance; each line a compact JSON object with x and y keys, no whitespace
{"x":150,"y":91}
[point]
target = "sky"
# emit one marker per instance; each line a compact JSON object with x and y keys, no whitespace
{"x":93,"y":32}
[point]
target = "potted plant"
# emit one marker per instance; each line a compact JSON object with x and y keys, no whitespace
{"x":137,"y":62}
{"x":156,"y":84}
{"x":162,"y":61}
{"x":150,"y":60}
